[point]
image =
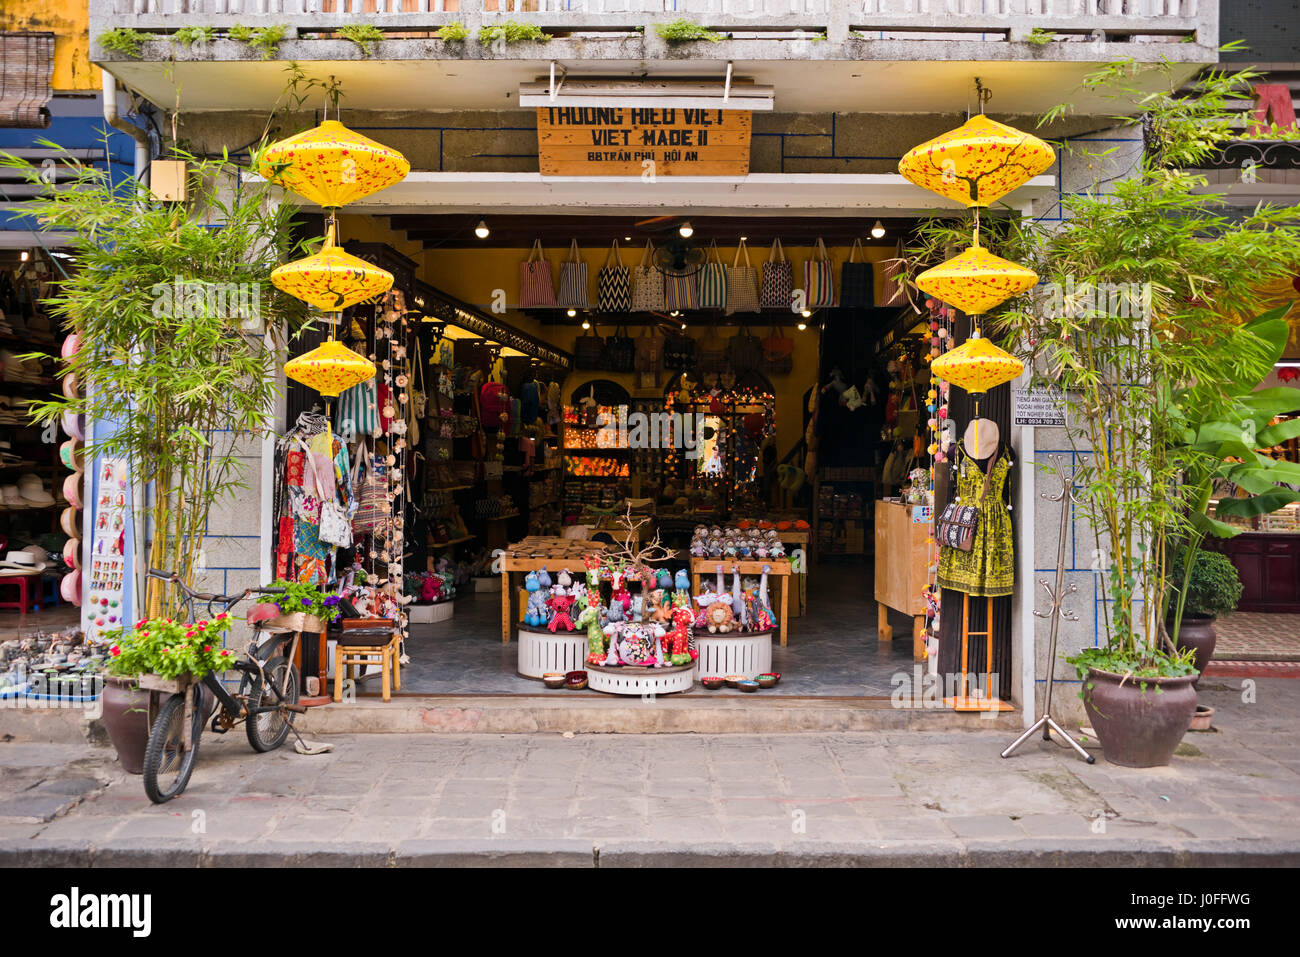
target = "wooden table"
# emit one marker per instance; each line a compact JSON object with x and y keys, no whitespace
{"x":779,"y":567}
{"x":535,"y":553}
{"x":902,"y":573}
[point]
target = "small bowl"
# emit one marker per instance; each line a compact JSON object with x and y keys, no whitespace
{"x":774,"y":675}
{"x":766,"y":681}
{"x":733,"y":681}
{"x":747,"y":685}
{"x":713,"y":683}
{"x":553,"y":680}
{"x":575,"y":680}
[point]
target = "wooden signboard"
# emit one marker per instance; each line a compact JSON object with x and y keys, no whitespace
{"x":622,"y":141}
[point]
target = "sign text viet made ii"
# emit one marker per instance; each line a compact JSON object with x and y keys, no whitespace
{"x":627,"y":141}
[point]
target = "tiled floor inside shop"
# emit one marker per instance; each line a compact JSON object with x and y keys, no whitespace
{"x":832,"y":650}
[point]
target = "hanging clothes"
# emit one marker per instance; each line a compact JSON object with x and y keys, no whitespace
{"x":988,"y":569}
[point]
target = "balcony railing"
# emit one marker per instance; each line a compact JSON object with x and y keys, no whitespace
{"x":1044,"y":22}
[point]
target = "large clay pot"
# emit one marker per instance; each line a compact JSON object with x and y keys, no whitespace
{"x":1197,"y":632}
{"x":126,"y":717}
{"x":1136,"y":728}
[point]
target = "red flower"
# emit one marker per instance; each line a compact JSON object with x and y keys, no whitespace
{"x":142,"y":622}
{"x":225,"y":654}
{"x":222,"y":616}
{"x":166,"y":650}
{"x":115,"y":651}
{"x":189,"y":634}
{"x":207,"y":647}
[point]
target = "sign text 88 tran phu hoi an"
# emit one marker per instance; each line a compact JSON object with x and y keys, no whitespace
{"x":628,"y":141}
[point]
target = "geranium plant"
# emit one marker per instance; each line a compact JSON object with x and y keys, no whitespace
{"x":169,"y":648}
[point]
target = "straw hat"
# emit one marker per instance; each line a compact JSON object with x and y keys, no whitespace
{"x":981,"y":438}
{"x":23,"y":562}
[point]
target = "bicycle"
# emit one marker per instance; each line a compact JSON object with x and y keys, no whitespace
{"x":266,"y":700}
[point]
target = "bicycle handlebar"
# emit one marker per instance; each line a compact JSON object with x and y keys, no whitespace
{"x":211,"y":599}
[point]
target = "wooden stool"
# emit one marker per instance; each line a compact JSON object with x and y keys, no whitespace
{"x":368,"y":642}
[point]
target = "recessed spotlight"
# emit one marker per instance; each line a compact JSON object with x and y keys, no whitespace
{"x":572,"y":313}
{"x":878,"y":230}
{"x":686,"y":230}
{"x":481,"y":230}
{"x":802,"y":326}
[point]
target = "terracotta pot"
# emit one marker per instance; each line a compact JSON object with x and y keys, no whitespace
{"x":126,"y":718}
{"x":1136,"y":728}
{"x":1197,"y":632}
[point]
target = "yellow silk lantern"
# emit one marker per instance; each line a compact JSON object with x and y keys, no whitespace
{"x":976,"y":281}
{"x":331,"y":165}
{"x":977,"y":365}
{"x":977,"y":163}
{"x":332,"y":280}
{"x":330,"y":368}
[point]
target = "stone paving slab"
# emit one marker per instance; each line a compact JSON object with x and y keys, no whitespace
{"x":834,"y":799}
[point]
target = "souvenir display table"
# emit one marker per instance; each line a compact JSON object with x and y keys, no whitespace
{"x":778,"y":567}
{"x":533,"y":554}
{"x":902,"y":575}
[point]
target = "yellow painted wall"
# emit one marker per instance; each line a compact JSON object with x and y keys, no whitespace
{"x":68,"y":20}
{"x":474,"y":274}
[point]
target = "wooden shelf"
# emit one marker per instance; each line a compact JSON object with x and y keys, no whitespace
{"x":454,"y":541}
{"x":501,"y":518}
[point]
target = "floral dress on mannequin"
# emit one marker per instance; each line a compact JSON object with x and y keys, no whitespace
{"x":988,"y":569}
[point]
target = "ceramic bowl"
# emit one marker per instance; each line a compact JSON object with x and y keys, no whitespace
{"x":774,"y":675}
{"x":713,"y":683}
{"x":766,"y":681}
{"x":575,"y":680}
{"x":747,"y":685}
{"x":734,"y":681}
{"x":553,"y":679}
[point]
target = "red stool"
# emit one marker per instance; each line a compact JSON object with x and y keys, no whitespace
{"x":29,"y":591}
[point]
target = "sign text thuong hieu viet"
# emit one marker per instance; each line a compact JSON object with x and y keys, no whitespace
{"x":629,"y":141}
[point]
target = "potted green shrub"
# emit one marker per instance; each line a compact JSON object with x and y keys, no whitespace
{"x":295,"y":606}
{"x":1205,"y":589}
{"x":165,"y":650}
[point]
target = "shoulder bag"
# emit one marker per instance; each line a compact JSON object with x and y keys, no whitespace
{"x":742,"y":284}
{"x":647,"y":284}
{"x":956,"y":526}
{"x":713,"y":280}
{"x":573,"y":281}
{"x":778,"y":279}
{"x":818,"y":278}
{"x":857,"y":281}
{"x":614,"y":283}
{"x":536,"y":287}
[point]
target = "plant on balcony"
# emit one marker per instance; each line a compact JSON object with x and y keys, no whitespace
{"x":454,"y":32}
{"x":1040,"y":38}
{"x":123,"y":40}
{"x":194,"y":36}
{"x":265,"y":40}
{"x":365,"y":35}
{"x":683,"y":30}
{"x":169,"y":308}
{"x":511,"y":31}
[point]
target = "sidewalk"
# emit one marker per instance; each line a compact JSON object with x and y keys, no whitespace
{"x":884,"y":798}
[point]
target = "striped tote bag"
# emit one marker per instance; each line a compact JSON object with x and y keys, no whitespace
{"x":358,"y":411}
{"x":536,"y":288}
{"x":680,"y":292}
{"x":573,"y":281}
{"x":819,"y":278}
{"x":647,"y":284}
{"x":614,"y":283}
{"x":778,"y":279}
{"x":713,"y":280}
{"x":742,"y":284}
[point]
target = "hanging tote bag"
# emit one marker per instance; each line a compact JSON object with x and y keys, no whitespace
{"x":778,"y":279}
{"x":614,"y":283}
{"x":370,"y":481}
{"x":857,"y":280}
{"x":745,"y":352}
{"x":419,"y":397}
{"x":681,"y":292}
{"x":620,"y":352}
{"x":712,"y":280}
{"x":536,"y":288}
{"x":573,"y":281}
{"x":818,"y":278}
{"x":742,"y":284}
{"x":588,"y":351}
{"x":778,"y":353}
{"x":358,"y":412}
{"x":649,"y":350}
{"x":894,"y":293}
{"x":647,"y":284}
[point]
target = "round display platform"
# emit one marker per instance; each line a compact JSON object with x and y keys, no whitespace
{"x":630,"y":680}
{"x":542,"y":651}
{"x":735,"y":653}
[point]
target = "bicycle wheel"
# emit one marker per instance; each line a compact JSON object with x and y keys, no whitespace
{"x":167,"y":764}
{"x":267,"y":731}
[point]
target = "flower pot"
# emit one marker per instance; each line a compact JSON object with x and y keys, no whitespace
{"x":298,"y":621}
{"x":1197,"y":632}
{"x":126,"y":718}
{"x":1136,"y":728}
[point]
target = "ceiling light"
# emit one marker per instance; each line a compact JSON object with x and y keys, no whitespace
{"x":481,"y":230}
{"x":878,"y":230}
{"x":572,"y":313}
{"x":802,"y":326}
{"x":744,"y":239}
{"x":627,"y":239}
{"x":675,"y":313}
{"x":806,"y":313}
{"x":686,"y":230}
{"x":23,"y":256}
{"x":586,"y":324}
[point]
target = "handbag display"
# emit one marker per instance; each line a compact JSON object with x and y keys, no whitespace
{"x":331,"y":520}
{"x":647,"y":284}
{"x":712,"y":285}
{"x":778,"y":279}
{"x":819,"y":278}
{"x":680,"y":292}
{"x":588,"y":351}
{"x":358,"y":411}
{"x":956,"y":526}
{"x":614,"y":283}
{"x":857,"y":280}
{"x":619,"y":354}
{"x":778,"y":353}
{"x":649,"y":351}
{"x":745,"y":352}
{"x":370,"y":480}
{"x":742,"y":284}
{"x":536,"y":287}
{"x":573,"y":281}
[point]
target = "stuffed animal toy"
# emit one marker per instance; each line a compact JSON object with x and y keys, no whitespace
{"x":561,"y":603}
{"x":738,"y":609}
{"x":621,"y":595}
{"x":763,"y":617}
{"x":682,"y":582}
{"x":679,"y":649}
{"x":590,"y":619}
{"x":536,"y":615}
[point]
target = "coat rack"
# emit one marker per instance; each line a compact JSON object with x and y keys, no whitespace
{"x":1057,"y":594}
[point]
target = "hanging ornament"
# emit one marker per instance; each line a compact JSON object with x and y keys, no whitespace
{"x":976,"y":281}
{"x":332,"y":165}
{"x":331,"y":280}
{"x":330,"y":368}
{"x":977,"y":365}
{"x":977,"y":163}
